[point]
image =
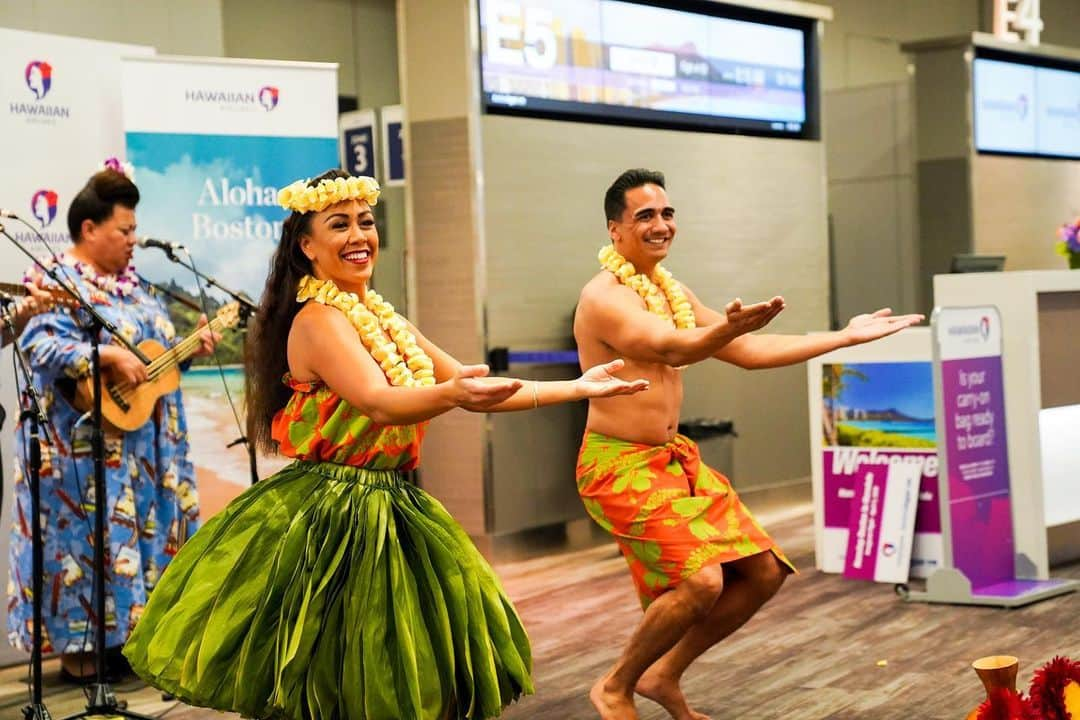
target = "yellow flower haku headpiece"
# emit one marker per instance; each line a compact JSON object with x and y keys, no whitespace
{"x":383,"y":332}
{"x":303,"y":198}
{"x":650,"y":289}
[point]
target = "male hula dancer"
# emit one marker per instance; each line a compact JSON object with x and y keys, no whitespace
{"x":701,"y":565}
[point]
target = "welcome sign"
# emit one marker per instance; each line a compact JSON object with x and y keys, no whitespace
{"x":876,"y":432}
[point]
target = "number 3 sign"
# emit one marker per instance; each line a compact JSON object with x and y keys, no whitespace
{"x":357,"y":133}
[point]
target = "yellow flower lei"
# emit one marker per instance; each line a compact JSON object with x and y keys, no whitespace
{"x":301,"y":198}
{"x":647,"y":288}
{"x":404,"y":362}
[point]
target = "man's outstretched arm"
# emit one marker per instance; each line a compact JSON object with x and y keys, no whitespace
{"x":755,"y":352}
{"x":616,"y":316}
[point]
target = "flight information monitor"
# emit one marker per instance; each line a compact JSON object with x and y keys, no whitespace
{"x":1026,"y":104}
{"x":692,"y":65}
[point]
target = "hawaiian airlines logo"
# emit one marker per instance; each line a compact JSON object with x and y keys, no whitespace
{"x":38,"y":75}
{"x":888,"y":549}
{"x":43,"y":206}
{"x":39,"y":78}
{"x":1020,"y":106}
{"x":268,"y":97}
{"x":971,"y":331}
{"x":1065,"y":112}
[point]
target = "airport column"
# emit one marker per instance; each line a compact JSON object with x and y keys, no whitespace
{"x":445,"y":257}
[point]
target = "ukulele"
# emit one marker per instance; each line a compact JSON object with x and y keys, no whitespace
{"x":127,"y":407}
{"x":57,"y":294}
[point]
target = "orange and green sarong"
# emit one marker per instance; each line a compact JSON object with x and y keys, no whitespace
{"x":670,"y":514}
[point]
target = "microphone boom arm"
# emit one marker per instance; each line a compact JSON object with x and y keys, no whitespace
{"x":83,"y":303}
{"x":247,"y":305}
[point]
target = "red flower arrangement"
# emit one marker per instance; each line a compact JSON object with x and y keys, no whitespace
{"x":1054,"y":695}
{"x":1004,"y":704}
{"x":1048,"y":694}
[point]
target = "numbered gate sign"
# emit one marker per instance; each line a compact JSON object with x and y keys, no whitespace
{"x":393,"y":146}
{"x":357,"y":133}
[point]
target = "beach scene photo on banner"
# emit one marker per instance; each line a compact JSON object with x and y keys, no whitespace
{"x":878,"y":405}
{"x":223,"y":472}
{"x":216,"y":195}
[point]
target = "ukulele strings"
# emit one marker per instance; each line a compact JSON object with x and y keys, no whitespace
{"x":164,"y":362}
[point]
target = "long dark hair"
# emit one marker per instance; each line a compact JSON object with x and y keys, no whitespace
{"x":265,"y":357}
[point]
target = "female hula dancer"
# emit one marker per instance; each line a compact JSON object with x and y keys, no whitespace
{"x":334,"y":589}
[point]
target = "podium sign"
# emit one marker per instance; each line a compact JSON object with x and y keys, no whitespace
{"x":976,"y":510}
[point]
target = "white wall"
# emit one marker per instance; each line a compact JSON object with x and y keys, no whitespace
{"x":174,"y":27}
{"x":361,"y":37}
{"x":316,"y":30}
{"x":868,"y":109}
{"x":862,"y":43}
{"x":872,"y":199}
{"x":866,"y":121}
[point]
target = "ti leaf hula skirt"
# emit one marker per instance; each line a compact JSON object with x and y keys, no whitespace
{"x":333,"y":592}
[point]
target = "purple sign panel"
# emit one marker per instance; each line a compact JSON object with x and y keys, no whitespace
{"x":978,"y":469}
{"x":880,"y":537}
{"x":865,"y":526}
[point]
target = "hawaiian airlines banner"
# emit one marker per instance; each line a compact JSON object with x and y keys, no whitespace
{"x":211,"y":141}
{"x":59,"y":119}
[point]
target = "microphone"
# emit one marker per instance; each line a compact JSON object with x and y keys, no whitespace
{"x":169,"y":247}
{"x":8,"y":214}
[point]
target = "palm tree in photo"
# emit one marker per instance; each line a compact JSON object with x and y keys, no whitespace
{"x":834,"y":377}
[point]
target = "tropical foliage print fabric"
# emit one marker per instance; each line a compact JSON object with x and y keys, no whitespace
{"x":670,"y":514}
{"x":317,"y":424}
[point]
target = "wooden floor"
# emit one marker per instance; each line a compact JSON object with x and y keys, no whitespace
{"x":813,"y":652}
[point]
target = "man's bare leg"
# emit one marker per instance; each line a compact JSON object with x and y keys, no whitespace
{"x":748,"y":584}
{"x":666,"y":621}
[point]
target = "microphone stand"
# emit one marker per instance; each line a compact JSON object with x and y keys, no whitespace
{"x":32,"y":412}
{"x":247,"y":309}
{"x":101,"y":698}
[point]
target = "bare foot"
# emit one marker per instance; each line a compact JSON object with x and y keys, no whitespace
{"x":668,"y":695}
{"x":612,"y":705}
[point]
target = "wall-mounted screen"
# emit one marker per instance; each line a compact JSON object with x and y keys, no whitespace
{"x":1026,"y":105}
{"x":689,"y":64}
